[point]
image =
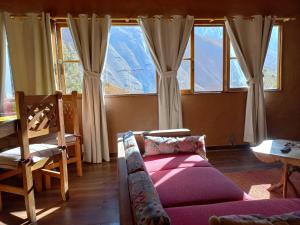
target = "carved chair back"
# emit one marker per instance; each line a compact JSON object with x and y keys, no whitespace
{"x":39,"y":115}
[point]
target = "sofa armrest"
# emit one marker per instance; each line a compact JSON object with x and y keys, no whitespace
{"x":124,"y":198}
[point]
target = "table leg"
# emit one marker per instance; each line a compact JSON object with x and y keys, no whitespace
{"x":285,"y":179}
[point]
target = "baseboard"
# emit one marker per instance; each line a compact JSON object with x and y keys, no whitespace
{"x":228,"y":147}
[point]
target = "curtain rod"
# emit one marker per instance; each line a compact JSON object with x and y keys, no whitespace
{"x":210,"y":19}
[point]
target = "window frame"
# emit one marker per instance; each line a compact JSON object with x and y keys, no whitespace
{"x":59,"y":61}
{"x":279,"y":64}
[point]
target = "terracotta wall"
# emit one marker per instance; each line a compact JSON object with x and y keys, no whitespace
{"x":219,"y":116}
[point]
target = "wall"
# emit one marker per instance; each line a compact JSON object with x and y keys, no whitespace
{"x":219,"y":116}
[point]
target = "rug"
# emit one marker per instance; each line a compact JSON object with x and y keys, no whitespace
{"x":256,"y":182}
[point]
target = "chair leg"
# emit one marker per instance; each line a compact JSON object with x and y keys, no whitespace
{"x":63,"y":168}
{"x":78,"y":158}
{"x":38,"y":181}
{"x":29,"y":192}
{"x":1,"y":205}
{"x":47,"y":180}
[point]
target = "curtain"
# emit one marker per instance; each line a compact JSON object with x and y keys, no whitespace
{"x":30,"y":51}
{"x":91,"y":40}
{"x":167,"y":39}
{"x":250,"y":40}
{"x":2,"y":60}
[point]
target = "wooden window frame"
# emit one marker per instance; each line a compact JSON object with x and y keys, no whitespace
{"x":59,"y":61}
{"x":227,"y":87}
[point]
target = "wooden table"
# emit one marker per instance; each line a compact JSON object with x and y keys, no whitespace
{"x":269,"y":151}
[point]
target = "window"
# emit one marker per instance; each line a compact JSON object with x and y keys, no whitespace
{"x":129,"y":68}
{"x":71,"y":72}
{"x":271,"y":66}
{"x":208,"y":61}
{"x":8,"y":106}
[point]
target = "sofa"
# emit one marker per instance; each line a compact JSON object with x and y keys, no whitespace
{"x":189,"y":188}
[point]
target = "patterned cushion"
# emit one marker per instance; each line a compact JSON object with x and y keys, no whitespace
{"x":145,"y":203}
{"x":257,"y":219}
{"x":12,"y":157}
{"x":134,"y":160}
{"x":168,"y":145}
{"x":133,"y":156}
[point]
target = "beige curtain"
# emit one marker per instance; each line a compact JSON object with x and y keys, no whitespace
{"x":250,"y":40}
{"x":167,"y":39}
{"x":91,"y":40}
{"x":2,"y":59}
{"x":30,"y":51}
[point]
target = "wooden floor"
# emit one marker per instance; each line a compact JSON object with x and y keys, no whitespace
{"x":94,"y":197}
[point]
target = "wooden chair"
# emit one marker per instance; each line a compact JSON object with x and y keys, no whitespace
{"x":72,"y":135}
{"x":37,"y":116}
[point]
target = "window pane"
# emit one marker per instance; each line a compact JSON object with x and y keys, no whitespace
{"x":184,"y":75}
{"x":237,"y":77}
{"x":184,"y":71}
{"x":69,"y":50}
{"x":208,"y":58}
{"x":73,"y":77}
{"x":7,"y":106}
{"x":129,"y":68}
{"x":270,"y":69}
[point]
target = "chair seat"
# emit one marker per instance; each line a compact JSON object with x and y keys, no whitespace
{"x":12,"y":157}
{"x":51,"y":139}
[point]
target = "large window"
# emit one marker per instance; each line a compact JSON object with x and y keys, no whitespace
{"x":208,"y":65}
{"x":271,"y":66}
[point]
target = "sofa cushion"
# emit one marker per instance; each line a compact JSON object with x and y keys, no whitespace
{"x":200,"y":214}
{"x":194,"y":185}
{"x":134,"y":160}
{"x":167,"y":145}
{"x":145,"y":202}
{"x":172,"y":161}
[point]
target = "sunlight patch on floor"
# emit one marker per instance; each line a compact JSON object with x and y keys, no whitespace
{"x":260,"y":191}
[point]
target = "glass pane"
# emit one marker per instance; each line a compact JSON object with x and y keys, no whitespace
{"x":129,"y":68}
{"x":184,"y":71}
{"x":184,"y":75}
{"x":270,"y":69}
{"x":68,"y":47}
{"x":208,"y":58}
{"x":73,"y":77}
{"x":237,"y":77}
{"x":7,"y":106}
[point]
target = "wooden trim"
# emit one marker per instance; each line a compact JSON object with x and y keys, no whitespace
{"x":59,"y":61}
{"x":11,"y":189}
